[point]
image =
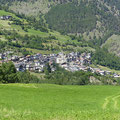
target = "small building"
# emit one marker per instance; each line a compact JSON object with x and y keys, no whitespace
{"x":5,"y":17}
{"x":20,"y":67}
{"x":116,"y":76}
{"x":1,"y":56}
{"x":61,"y":59}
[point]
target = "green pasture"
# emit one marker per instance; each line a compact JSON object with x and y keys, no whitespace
{"x":54,"y":102}
{"x":2,"y":12}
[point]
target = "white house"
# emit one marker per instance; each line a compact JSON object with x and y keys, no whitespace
{"x":61,"y":59}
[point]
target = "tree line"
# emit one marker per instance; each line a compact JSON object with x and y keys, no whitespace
{"x":8,"y":74}
{"x":63,"y":77}
{"x":104,"y":58}
{"x":60,"y":76}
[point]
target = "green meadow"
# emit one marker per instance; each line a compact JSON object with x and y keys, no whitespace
{"x":2,"y":12}
{"x":54,"y":102}
{"x":4,"y":23}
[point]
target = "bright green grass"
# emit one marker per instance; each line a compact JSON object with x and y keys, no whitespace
{"x":35,"y":32}
{"x":2,"y":38}
{"x":4,"y":24}
{"x":2,"y":12}
{"x":54,"y":102}
{"x":60,"y":37}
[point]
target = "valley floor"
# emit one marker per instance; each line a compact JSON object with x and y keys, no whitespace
{"x":54,"y":102}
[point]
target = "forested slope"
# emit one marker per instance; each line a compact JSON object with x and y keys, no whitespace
{"x":87,"y":17}
{"x":92,"y":22}
{"x":93,"y":19}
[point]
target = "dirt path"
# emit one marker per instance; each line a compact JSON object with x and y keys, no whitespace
{"x":111,"y":101}
{"x":115,"y":106}
{"x":107,"y":100}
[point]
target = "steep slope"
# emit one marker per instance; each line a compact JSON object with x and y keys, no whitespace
{"x":32,"y":35}
{"x":28,"y":33}
{"x":113,"y":44}
{"x":88,"y":16}
{"x":93,"y":19}
{"x":32,"y":7}
{"x":70,"y":18}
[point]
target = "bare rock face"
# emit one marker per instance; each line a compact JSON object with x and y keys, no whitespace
{"x":95,"y":81}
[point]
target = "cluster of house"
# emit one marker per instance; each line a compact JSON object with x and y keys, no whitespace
{"x":5,"y":17}
{"x":4,"y":55}
{"x":74,"y":61}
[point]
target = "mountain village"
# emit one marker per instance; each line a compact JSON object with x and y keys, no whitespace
{"x":74,"y":61}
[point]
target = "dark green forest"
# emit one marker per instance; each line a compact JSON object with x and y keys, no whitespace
{"x":72,"y":18}
{"x":8,"y":74}
{"x":104,"y":58}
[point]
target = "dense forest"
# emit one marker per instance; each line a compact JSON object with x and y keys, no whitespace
{"x":72,"y":18}
{"x":104,"y":58}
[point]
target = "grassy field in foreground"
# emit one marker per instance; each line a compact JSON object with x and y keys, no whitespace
{"x":54,"y":102}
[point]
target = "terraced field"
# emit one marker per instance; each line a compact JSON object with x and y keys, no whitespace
{"x":54,"y":102}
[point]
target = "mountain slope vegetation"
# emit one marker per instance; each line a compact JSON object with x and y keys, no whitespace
{"x":81,"y":25}
{"x":93,"y":19}
{"x":32,"y":34}
{"x":113,"y":44}
{"x":69,"y":18}
{"x":86,"y":17}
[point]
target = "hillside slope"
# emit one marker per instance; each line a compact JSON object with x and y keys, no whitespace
{"x":113,"y":44}
{"x":31,"y":34}
{"x":94,"y":19}
{"x":32,"y":7}
{"x":85,"y":24}
{"x":88,"y":16}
